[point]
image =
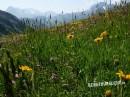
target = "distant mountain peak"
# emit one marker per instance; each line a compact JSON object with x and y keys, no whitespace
{"x":28,"y":13}
{"x":24,"y":13}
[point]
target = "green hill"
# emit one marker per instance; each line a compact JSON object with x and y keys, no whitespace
{"x":9,"y":23}
{"x":64,"y":60}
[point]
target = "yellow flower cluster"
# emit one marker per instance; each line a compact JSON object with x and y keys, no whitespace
{"x":122,"y":75}
{"x":98,"y":40}
{"x":70,"y":36}
{"x":108,"y":93}
{"x":25,"y":68}
{"x":102,"y":36}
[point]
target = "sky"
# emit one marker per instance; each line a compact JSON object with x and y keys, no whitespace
{"x":51,"y":5}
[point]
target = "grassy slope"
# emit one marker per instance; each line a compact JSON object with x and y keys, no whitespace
{"x":64,"y":67}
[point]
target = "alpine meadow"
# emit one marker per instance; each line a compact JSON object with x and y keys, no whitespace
{"x":88,"y":57}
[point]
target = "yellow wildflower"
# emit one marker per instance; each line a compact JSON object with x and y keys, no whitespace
{"x":104,"y":34}
{"x":70,"y":36}
{"x":127,"y":77}
{"x":25,"y":68}
{"x":98,"y":40}
{"x":108,"y":93}
{"x":121,"y":74}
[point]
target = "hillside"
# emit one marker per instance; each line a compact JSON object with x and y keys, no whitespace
{"x":66,"y":60}
{"x":9,"y":23}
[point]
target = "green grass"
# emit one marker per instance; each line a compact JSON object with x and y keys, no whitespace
{"x":62,"y":67}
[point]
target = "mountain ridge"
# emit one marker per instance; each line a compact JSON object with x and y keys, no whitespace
{"x":33,"y":13}
{"x":9,"y":23}
{"x":28,"y":13}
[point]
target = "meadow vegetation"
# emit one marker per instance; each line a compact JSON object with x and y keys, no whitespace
{"x":61,"y":61}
